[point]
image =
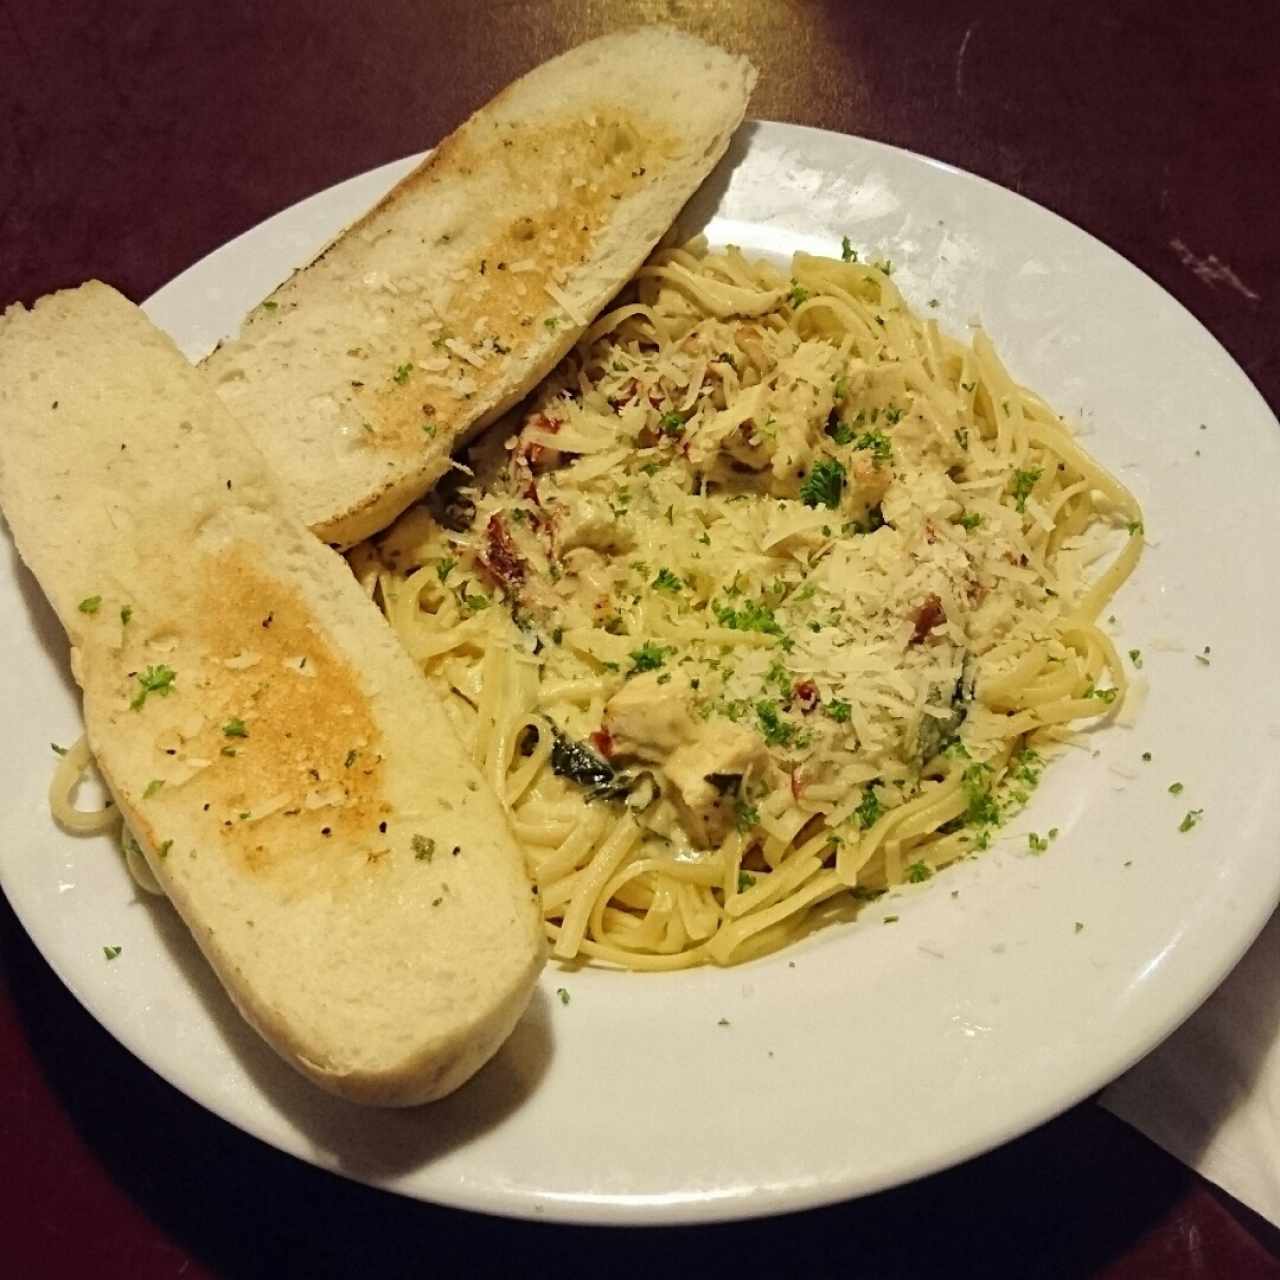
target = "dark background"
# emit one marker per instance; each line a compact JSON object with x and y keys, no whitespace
{"x":134,"y":138}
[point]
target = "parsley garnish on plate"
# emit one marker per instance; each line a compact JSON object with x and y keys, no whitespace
{"x":1023,"y":483}
{"x":824,"y":484}
{"x":868,"y":811}
{"x":158,"y":680}
{"x":649,"y":657}
{"x":776,"y":731}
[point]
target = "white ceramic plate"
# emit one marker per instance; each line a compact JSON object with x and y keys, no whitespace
{"x":870,"y":1054}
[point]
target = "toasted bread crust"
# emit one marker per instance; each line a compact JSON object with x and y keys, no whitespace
{"x":451,"y":298}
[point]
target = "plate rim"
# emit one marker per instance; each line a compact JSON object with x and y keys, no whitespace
{"x":520,"y":1203}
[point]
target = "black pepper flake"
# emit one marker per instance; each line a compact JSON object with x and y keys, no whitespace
{"x":326,"y":831}
{"x":268,"y":620}
{"x":54,"y":405}
{"x":382,"y":827}
{"x":457,"y":849}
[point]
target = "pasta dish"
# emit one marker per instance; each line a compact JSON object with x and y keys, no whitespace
{"x":771,"y":601}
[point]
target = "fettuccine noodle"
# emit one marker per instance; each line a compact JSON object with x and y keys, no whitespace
{"x":772,"y":601}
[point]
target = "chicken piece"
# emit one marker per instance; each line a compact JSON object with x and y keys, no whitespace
{"x":649,"y":720}
{"x":705,"y":774}
{"x":590,"y":523}
{"x":869,"y":479}
{"x":591,"y":568}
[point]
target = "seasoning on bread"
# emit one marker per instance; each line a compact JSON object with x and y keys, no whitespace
{"x":453,"y":297}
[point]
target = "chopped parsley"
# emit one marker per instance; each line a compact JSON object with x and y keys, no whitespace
{"x":775,"y":730}
{"x":562,"y":994}
{"x":125,"y":614}
{"x":841,"y":388}
{"x":839,"y":710}
{"x":753,"y":616}
{"x":798,"y":295}
{"x":269,"y":305}
{"x":891,"y":920}
{"x":649,"y":657}
{"x":158,"y":680}
{"x":919,"y":872}
{"x":666,"y":581}
{"x":847,"y":252}
{"x":1079,"y":926}
{"x":1135,"y":656}
{"x":1025,"y":767}
{"x":1135,"y":528}
{"x":350,"y":758}
{"x":745,"y":816}
{"x":1023,"y":483}
{"x":878,"y":444}
{"x":823,"y":485}
{"x":745,"y":881}
{"x":982,"y":809}
{"x":1192,"y":818}
{"x":1037,"y":843}
{"x":445,"y":568}
{"x":671,"y":424}
{"x":868,"y":811}
{"x":552,"y":323}
{"x":235,"y":728}
{"x":1175,"y":788}
{"x":111,"y":952}
{"x":57,"y":750}
{"x":152,"y":787}
{"x":165,"y":847}
{"x":424,"y":848}
{"x":970,"y":520}
{"x":90,"y":604}
{"x":401,"y":375}
{"x":842,"y":433}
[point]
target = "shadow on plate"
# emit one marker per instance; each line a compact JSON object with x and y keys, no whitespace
{"x":706,"y":201}
{"x":361,"y":1142}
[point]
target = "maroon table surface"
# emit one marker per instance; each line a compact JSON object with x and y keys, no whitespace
{"x":134,"y":138}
